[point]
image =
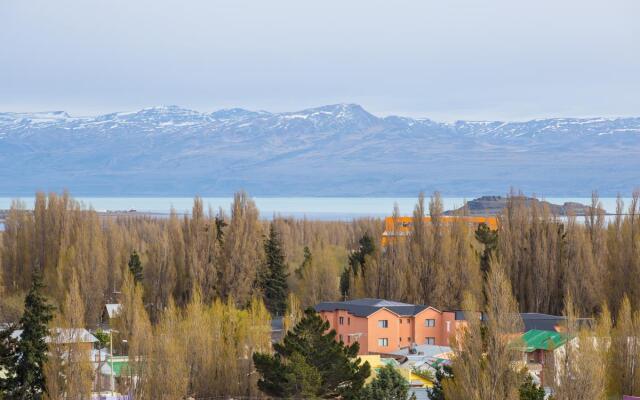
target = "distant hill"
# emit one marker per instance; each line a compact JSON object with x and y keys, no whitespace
{"x":493,"y":205}
{"x":335,"y":150}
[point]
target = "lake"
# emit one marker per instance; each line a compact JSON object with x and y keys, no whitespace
{"x":324,"y":208}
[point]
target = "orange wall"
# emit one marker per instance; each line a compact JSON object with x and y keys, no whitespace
{"x":398,"y":331}
{"x":403,"y":225}
{"x":391,"y":333}
{"x":352,"y":329}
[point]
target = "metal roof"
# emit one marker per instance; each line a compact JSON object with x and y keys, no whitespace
{"x":64,"y":335}
{"x":543,"y":322}
{"x":424,"y":350}
{"x":366,"y":307}
{"x":113,"y":309}
{"x":542,"y":340}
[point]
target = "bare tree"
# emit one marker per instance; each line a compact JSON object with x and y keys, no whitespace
{"x":484,"y":356}
{"x":579,"y":369}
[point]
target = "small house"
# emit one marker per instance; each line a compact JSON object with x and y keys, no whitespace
{"x":109,"y":313}
{"x":539,"y":348}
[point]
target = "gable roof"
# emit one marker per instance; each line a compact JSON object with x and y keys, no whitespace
{"x":542,"y":340}
{"x":113,"y":309}
{"x":64,"y":335}
{"x":543,"y":322}
{"x":366,"y":307}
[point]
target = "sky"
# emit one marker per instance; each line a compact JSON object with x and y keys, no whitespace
{"x":444,"y":59}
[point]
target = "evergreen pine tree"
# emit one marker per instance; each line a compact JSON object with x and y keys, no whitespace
{"x":366,"y":247}
{"x":135,"y":267}
{"x":345,"y":282}
{"x":274,"y":280}
{"x":530,"y":391}
{"x":489,"y":240}
{"x":220,"y":225}
{"x":443,"y":373}
{"x":387,"y":385}
{"x":310,"y":363}
{"x":8,"y":359}
{"x":357,"y":258}
{"x":306,"y":262}
{"x":26,"y":378}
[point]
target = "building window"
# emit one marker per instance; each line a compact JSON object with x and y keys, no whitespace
{"x":400,"y":320}
{"x":341,"y":338}
{"x":408,"y":321}
{"x":430,"y":340}
{"x":341,"y":320}
{"x":448,"y":326}
{"x":383,"y":342}
{"x":429,"y":323}
{"x":348,"y":320}
{"x":409,"y":339}
{"x":383,"y":323}
{"x":348,"y":338}
{"x":400,"y":338}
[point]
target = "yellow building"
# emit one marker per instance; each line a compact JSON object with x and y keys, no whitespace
{"x":376,"y":362}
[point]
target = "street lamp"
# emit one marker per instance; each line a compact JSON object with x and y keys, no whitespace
{"x":113,"y":382}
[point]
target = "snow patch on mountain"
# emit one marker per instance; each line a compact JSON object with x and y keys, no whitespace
{"x":338,"y":149}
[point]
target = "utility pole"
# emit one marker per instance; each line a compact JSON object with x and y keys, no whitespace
{"x":113,"y":382}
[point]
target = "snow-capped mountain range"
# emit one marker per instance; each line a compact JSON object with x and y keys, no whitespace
{"x":335,"y":150}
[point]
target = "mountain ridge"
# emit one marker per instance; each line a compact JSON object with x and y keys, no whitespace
{"x":338,"y":149}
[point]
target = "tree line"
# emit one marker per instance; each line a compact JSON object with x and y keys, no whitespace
{"x":196,"y":281}
{"x":217,"y":253}
{"x":545,"y":256}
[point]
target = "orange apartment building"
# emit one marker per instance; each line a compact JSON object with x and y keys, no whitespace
{"x":402,"y":226}
{"x":382,"y":326}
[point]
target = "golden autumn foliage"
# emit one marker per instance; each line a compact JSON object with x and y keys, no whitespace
{"x":220,"y":254}
{"x":200,"y":285}
{"x":483,"y":363}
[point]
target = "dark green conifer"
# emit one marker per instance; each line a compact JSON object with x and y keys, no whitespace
{"x":306,"y":263}
{"x":8,"y":359}
{"x":135,"y":267}
{"x":357,"y":259}
{"x":529,"y":390}
{"x":310,"y":363}
{"x":489,"y":239}
{"x":25,"y":377}
{"x":274,"y":279}
{"x":387,"y":385}
{"x":357,"y":263}
{"x":443,"y":373}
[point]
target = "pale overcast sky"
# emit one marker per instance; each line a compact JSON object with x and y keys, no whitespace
{"x":443,"y":59}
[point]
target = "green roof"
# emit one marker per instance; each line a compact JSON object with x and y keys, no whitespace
{"x":120,"y":365}
{"x":120,"y":368}
{"x":542,"y":340}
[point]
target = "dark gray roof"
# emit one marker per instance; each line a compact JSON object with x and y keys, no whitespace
{"x":542,"y":322}
{"x":366,"y":307}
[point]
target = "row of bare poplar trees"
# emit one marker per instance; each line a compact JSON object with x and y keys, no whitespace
{"x":220,"y":255}
{"x":200,"y":351}
{"x":217,"y":253}
{"x":601,"y":359}
{"x":545,"y":257}
{"x":203,"y":268}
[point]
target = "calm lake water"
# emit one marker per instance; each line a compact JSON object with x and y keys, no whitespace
{"x":325,"y":208}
